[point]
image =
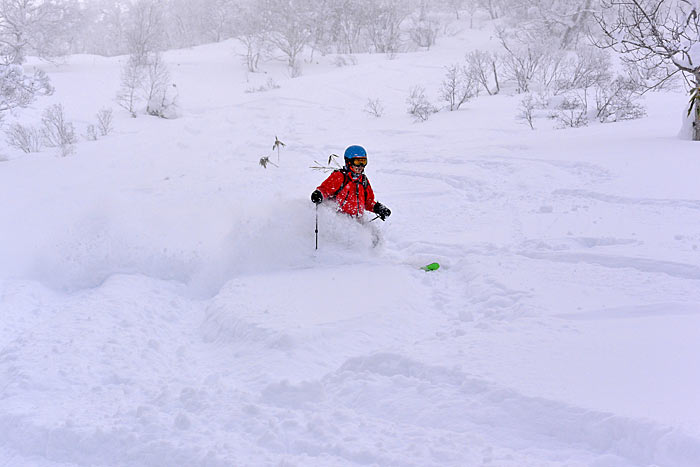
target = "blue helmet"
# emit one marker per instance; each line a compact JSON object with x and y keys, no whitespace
{"x":354,"y":151}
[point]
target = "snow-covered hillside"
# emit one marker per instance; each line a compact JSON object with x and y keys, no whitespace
{"x":162,"y":303}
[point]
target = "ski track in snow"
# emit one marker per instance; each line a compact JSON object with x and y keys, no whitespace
{"x":673,"y":203}
{"x":681,"y":270}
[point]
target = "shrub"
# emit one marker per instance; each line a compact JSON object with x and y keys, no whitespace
{"x":344,"y":60}
{"x":572,"y":112}
{"x":617,"y":101}
{"x":527,"y":110}
{"x":104,"y":121}
{"x":24,"y":138}
{"x":418,"y":105}
{"x":423,"y":31}
{"x":374,"y":107}
{"x":91,"y":133}
{"x":269,"y":84}
{"x":56,"y":131}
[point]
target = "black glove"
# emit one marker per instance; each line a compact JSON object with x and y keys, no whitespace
{"x":382,"y":211}
{"x":316,"y":197}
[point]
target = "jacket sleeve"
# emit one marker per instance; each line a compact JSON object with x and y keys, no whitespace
{"x":331,"y":184}
{"x":369,"y":198}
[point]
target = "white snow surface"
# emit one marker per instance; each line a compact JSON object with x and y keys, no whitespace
{"x":162,"y":303}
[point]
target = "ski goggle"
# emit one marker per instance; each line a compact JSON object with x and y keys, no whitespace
{"x":359,"y":161}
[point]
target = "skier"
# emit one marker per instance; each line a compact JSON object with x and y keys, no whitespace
{"x":350,"y":188}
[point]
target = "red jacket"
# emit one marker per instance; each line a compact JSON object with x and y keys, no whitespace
{"x":351,"y":191}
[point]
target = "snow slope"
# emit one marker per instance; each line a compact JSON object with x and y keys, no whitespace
{"x":162,"y":303}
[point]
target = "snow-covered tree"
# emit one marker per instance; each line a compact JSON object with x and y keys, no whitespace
{"x":424,"y":28}
{"x":182,"y":22}
{"x":33,"y":26}
{"x":383,"y":26}
{"x":218,"y":19}
{"x":495,"y":8}
{"x":457,"y":5}
{"x":564,"y":21}
{"x":100,"y":28}
{"x":18,"y":89}
{"x":191,"y":22}
{"x":252,"y":32}
{"x":347,"y":24}
{"x":145,"y":32}
{"x":651,"y":34}
{"x":289,"y":26}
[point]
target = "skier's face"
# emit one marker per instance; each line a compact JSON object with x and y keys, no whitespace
{"x":358,"y":164}
{"x":358,"y":169}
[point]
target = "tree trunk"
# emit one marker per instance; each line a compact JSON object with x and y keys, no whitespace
{"x":495,"y":78}
{"x":577,"y":24}
{"x":695,"y":107}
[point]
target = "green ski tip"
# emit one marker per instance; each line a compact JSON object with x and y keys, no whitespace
{"x":431,"y":267}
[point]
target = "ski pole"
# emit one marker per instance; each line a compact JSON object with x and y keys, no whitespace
{"x":375,"y":219}
{"x":317,"y":226}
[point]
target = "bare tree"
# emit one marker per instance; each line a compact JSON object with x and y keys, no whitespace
{"x":132,"y":79}
{"x":255,"y":45}
{"x":523,"y":59}
{"x":482,"y":65}
{"x":472,"y":6}
{"x":561,"y":21}
{"x":493,"y":7}
{"x":457,"y":87}
{"x":252,"y":32}
{"x":158,"y":89}
{"x":383,"y":25}
{"x":218,"y":19}
{"x":348,"y":19}
{"x":103,"y":31}
{"x":576,"y":22}
{"x":322,"y":35}
{"x":423,"y":29}
{"x":289,"y":27}
{"x":145,"y":33}
{"x":588,"y":67}
{"x":457,"y":5}
{"x":192,"y":22}
{"x":183,"y":22}
{"x":651,"y":34}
